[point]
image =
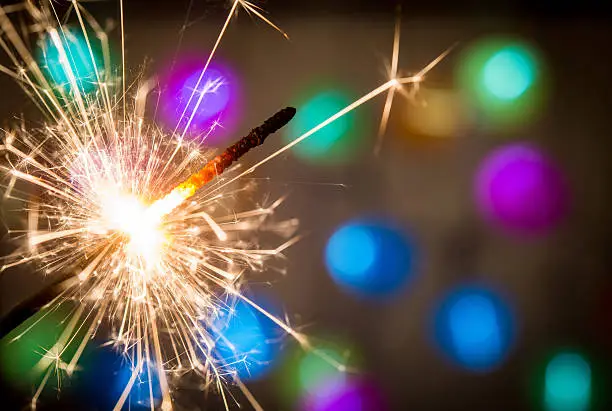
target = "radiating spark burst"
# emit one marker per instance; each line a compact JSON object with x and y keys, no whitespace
{"x":96,"y":181}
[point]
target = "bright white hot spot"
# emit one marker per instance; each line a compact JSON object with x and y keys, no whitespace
{"x":127,"y":214}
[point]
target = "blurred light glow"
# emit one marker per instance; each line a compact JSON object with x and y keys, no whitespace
{"x":521,"y":190}
{"x":352,"y":250}
{"x":508,"y":73}
{"x":503,"y":79}
{"x":370,"y":258}
{"x":473,"y":323}
{"x":305,"y":375}
{"x":244,"y":342}
{"x":339,"y":141}
{"x":474,"y":328}
{"x":568,"y":383}
{"x":315,"y":373}
{"x":215,"y":89}
{"x":21,"y":351}
{"x":353,"y":395}
{"x":215,"y":116}
{"x":71,"y":58}
{"x":146,"y":391}
{"x":441,"y":114}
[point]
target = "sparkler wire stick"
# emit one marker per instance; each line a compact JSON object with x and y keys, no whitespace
{"x":115,"y":230}
{"x":392,"y":83}
{"x":213,"y":168}
{"x":221,"y":162}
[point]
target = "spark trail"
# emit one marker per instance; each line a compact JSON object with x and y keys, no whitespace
{"x":154,"y":252}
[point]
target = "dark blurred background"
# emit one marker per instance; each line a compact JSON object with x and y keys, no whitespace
{"x":537,"y":288}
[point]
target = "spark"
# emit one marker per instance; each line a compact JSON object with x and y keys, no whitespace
{"x":391,"y":93}
{"x":149,"y":232}
{"x":397,"y":82}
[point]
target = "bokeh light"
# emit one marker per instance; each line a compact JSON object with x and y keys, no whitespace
{"x":216,"y":115}
{"x":245,"y":341}
{"x":567,"y":383}
{"x":520,"y":189}
{"x":305,"y":375}
{"x":315,"y":372}
{"x":146,"y":391}
{"x":21,"y":351}
{"x":503,"y":79}
{"x":108,"y":364}
{"x":474,"y":328}
{"x":99,"y":377}
{"x":339,"y":141}
{"x":438,"y":113}
{"x":72,"y":59}
{"x":99,"y":363}
{"x":355,"y":394}
{"x":370,"y":257}
{"x":509,"y":73}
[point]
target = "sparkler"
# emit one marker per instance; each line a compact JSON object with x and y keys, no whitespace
{"x":218,"y":164}
{"x":144,"y":226}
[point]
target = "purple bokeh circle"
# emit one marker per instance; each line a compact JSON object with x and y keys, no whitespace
{"x":348,"y":395}
{"x":216,"y":114}
{"x":521,"y":190}
{"x":216,"y":89}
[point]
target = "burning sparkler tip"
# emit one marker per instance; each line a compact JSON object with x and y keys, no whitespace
{"x":218,"y":164}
